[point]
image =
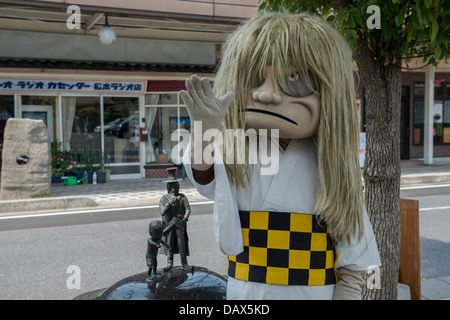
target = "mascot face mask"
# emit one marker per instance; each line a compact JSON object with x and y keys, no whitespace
{"x":294,"y":110}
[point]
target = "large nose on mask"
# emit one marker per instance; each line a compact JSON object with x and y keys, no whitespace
{"x":266,"y":93}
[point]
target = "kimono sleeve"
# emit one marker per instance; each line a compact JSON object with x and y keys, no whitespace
{"x":206,"y":190}
{"x":359,"y":255}
{"x":226,"y":221}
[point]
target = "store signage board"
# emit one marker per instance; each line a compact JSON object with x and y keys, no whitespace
{"x":72,"y":86}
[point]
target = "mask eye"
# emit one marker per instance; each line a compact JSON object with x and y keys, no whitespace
{"x":293,"y":77}
{"x":296,"y":87}
{"x":259,"y":82}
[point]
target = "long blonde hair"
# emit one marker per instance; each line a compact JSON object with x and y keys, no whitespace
{"x":308,"y":45}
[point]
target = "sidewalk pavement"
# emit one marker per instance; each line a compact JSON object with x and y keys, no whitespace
{"x":414,"y":172}
{"x":139,"y":192}
{"x":148,"y":191}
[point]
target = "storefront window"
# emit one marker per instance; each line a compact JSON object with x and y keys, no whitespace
{"x":82,"y":131}
{"x":419,"y":109}
{"x":80,"y":120}
{"x":41,"y":108}
{"x":440,"y":113}
{"x":419,"y":89}
{"x":446,"y":122}
{"x":121,"y":129}
{"x":164,"y":113}
{"x":6,"y":112}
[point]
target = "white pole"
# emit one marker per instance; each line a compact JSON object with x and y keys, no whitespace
{"x":61,"y":137}
{"x":102,"y":119}
{"x":428,"y":116}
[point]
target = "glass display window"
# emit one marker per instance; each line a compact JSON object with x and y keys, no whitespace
{"x":6,"y":112}
{"x":440,"y":113}
{"x":164,"y":113}
{"x":102,"y":132}
{"x":121,"y":129}
{"x":41,"y":107}
{"x":80,"y":119}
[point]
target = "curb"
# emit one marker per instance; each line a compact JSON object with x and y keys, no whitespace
{"x":45,"y":204}
{"x":424,"y":178}
{"x":8,"y":207}
{"x":143,"y":202}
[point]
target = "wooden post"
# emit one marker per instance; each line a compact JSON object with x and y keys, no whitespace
{"x":410,"y":247}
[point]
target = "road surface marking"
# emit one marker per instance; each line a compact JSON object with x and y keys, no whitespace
{"x":60,"y":213}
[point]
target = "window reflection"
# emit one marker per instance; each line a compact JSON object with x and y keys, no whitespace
{"x":121,"y":129}
{"x":440,"y":112}
{"x":164,"y":114}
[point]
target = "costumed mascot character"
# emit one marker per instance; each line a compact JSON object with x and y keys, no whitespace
{"x":295,"y":228}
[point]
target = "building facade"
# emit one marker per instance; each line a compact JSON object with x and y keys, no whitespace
{"x":413,"y":111}
{"x":114,"y":104}
{"x":119,"y":104}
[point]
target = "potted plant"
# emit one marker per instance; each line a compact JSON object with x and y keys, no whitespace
{"x":107,"y":160}
{"x":78,"y":172}
{"x":60,"y":161}
{"x":88,"y":160}
{"x":101,"y":173}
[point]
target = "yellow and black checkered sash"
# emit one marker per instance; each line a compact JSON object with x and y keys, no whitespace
{"x":284,"y":248}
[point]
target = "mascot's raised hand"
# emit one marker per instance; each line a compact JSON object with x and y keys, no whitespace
{"x":204,"y":108}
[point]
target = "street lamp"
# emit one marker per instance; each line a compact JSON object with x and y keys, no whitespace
{"x":106,"y":35}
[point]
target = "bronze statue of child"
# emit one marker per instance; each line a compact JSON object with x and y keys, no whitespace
{"x":154,"y":242}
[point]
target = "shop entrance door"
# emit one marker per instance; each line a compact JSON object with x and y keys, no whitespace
{"x":121,"y":136}
{"x":38,"y":112}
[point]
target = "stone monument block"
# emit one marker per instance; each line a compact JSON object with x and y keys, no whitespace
{"x":26,"y":168}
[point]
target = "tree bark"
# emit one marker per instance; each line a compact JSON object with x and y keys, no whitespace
{"x":382,"y":170}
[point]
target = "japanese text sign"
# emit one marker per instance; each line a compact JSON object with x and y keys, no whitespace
{"x":82,"y":86}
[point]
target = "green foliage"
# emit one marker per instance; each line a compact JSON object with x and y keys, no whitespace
{"x":109,"y":114}
{"x":61,"y":160}
{"x":22,"y":159}
{"x":91,"y":159}
{"x":409,"y":29}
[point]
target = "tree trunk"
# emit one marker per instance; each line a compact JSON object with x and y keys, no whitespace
{"x":382,"y":169}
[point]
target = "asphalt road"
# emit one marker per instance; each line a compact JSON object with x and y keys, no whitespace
{"x":434,"y":208}
{"x":106,"y":246}
{"x":97,"y":215}
{"x":39,"y":253}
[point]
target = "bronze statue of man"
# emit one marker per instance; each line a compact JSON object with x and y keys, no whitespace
{"x":175,"y":210}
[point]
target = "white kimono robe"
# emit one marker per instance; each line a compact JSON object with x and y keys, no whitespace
{"x":291,"y":189}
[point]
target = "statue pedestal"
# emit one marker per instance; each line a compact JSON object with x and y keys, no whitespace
{"x":176,"y":284}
